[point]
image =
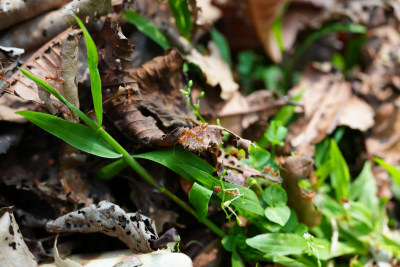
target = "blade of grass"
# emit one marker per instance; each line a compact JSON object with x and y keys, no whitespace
{"x":73,"y":133}
{"x":183,"y":16}
{"x":95,"y":81}
{"x":147,"y":28}
{"x":52,"y":91}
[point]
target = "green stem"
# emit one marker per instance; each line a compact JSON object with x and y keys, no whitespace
{"x":145,"y":175}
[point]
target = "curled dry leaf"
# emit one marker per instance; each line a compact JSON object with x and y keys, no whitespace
{"x":154,"y":105}
{"x":13,"y":250}
{"x":135,"y":230}
{"x":293,"y":169}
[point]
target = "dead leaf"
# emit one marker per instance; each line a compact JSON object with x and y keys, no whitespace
{"x":328,"y":102}
{"x":215,"y":69}
{"x":14,"y":251}
{"x":135,"y":230}
{"x":157,"y":105}
{"x":293,"y":169}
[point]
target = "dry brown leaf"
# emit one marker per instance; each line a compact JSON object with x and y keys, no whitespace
{"x":215,"y":69}
{"x":14,"y":251}
{"x":293,"y":169}
{"x":155,"y":104}
{"x":135,"y":230}
{"x":263,"y":14}
{"x":328,"y":102}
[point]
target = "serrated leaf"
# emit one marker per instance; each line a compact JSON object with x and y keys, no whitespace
{"x":183,"y":16}
{"x":278,"y":214}
{"x":95,"y":81}
{"x":73,"y":133}
{"x":147,"y":28}
{"x":200,"y":197}
{"x":340,"y":174}
{"x":275,"y":195}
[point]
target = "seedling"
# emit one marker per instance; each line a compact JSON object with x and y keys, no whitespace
{"x":195,"y":107}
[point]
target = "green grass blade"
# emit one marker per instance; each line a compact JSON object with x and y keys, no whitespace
{"x":394,"y":172}
{"x":73,"y":133}
{"x":147,"y":28}
{"x":183,"y":16}
{"x":199,"y":196}
{"x":340,"y":174}
{"x":222,"y":45}
{"x":52,"y":91}
{"x":95,"y":81}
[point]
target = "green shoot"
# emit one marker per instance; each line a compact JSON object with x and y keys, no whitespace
{"x":195,"y":107}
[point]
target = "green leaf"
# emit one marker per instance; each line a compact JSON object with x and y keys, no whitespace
{"x":222,"y":45}
{"x":292,"y":223}
{"x":73,"y":133}
{"x":364,"y":189}
{"x":360,"y":212}
{"x":275,"y":195}
{"x":199,"y":197}
{"x":148,"y":28}
{"x":276,"y":133}
{"x":340,"y":175}
{"x":395,"y":173}
{"x":111,"y":170}
{"x":278,"y":244}
{"x":279,"y":214}
{"x":52,"y":91}
{"x":95,"y":81}
{"x":183,"y":16}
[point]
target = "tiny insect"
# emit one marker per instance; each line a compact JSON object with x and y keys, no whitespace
{"x":56,"y":79}
{"x":4,"y":79}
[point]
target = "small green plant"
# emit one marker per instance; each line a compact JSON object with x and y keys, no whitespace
{"x":194,"y":107}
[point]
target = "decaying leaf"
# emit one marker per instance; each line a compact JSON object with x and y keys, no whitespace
{"x":293,"y":169}
{"x":13,"y":250}
{"x":135,"y":230}
{"x":154,"y":105}
{"x":328,"y":102}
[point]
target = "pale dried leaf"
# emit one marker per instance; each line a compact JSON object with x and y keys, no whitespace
{"x":216,"y":70}
{"x":60,"y":262}
{"x":13,"y":250}
{"x":135,"y":230}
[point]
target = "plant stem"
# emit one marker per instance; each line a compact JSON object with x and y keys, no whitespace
{"x":146,"y":176}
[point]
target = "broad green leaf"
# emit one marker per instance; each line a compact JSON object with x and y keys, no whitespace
{"x":278,"y":244}
{"x":278,"y":214}
{"x":364,"y":189}
{"x":183,"y":16}
{"x":52,"y":91}
{"x":275,"y":195}
{"x":95,"y":82}
{"x":291,"y":223}
{"x":199,"y":197}
{"x":247,"y":201}
{"x":360,"y":212}
{"x":111,"y":170}
{"x":147,"y":27}
{"x":340,"y":175}
{"x":258,"y":158}
{"x":222,"y":45}
{"x":395,"y":173}
{"x":331,"y":208}
{"x":276,"y":133}
{"x":73,"y":133}
{"x":290,"y":262}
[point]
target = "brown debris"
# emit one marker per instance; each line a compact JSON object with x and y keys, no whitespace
{"x":293,"y":169}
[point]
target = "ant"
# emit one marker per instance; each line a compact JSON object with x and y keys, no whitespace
{"x":130,"y":96}
{"x":269,"y":169}
{"x":56,"y":79}
{"x":4,"y":79}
